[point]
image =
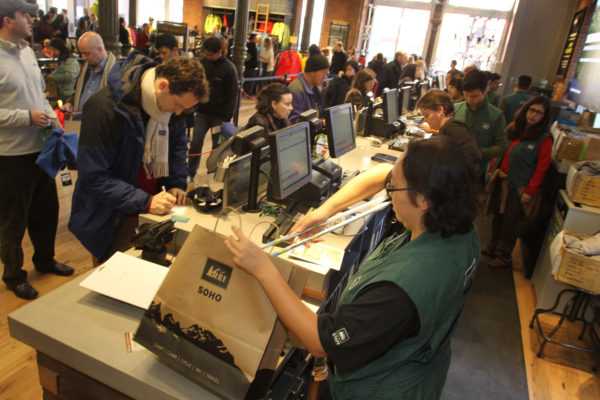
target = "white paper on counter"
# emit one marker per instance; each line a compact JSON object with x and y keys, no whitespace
{"x":128,"y":279}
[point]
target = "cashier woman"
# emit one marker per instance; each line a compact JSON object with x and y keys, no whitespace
{"x":389,"y":337}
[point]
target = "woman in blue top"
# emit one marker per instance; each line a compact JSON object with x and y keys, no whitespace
{"x":389,"y":337}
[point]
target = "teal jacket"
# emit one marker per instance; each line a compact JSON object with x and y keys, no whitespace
{"x":64,"y":77}
{"x":436,"y":273}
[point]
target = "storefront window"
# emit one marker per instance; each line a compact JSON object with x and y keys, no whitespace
{"x":498,"y":5}
{"x":468,"y":39}
{"x":396,"y":28}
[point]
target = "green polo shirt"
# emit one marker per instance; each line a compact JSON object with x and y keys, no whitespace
{"x":510,"y":104}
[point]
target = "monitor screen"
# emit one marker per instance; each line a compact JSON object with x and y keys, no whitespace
{"x":291,"y":163}
{"x":390,"y":106}
{"x":237,"y":180}
{"x":597,"y":121}
{"x":340,"y":129}
{"x":405,"y":93}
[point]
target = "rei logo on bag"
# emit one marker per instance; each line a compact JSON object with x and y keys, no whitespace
{"x":217,"y":273}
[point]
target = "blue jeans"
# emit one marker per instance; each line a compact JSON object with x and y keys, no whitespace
{"x":202,"y":123}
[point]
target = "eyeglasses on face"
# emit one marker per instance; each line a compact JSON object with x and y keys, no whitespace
{"x":536,"y":111}
{"x":389,"y":189}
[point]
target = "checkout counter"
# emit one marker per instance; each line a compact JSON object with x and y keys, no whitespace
{"x":82,"y":338}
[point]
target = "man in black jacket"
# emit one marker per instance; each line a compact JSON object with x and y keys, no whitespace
{"x":392,"y":71}
{"x":223,"y":80}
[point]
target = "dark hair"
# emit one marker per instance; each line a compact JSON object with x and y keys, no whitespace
{"x":60,"y":45}
{"x":493,"y":76}
{"x":81,"y":23}
{"x":273,"y":92}
{"x":519,"y":125}
{"x":352,"y":64}
{"x":524,"y":81}
{"x":166,"y":40}
{"x":314,"y":49}
{"x":435,"y":98}
{"x":362,"y":77}
{"x":379,"y":57}
{"x":121,"y":20}
{"x":185,"y":75}
{"x":9,"y":15}
{"x":439,"y":169}
{"x":473,"y":80}
{"x":212,"y":44}
{"x":223,"y":29}
{"x":457,"y":82}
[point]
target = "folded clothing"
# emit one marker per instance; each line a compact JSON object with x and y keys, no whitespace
{"x":589,"y":247}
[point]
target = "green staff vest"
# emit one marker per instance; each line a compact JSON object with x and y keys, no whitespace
{"x":436,"y":273}
{"x":513,"y":102}
{"x":522,"y":161}
{"x":484,"y":124}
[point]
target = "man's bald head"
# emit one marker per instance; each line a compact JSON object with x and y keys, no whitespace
{"x":401,"y":57}
{"x":91,"y":47}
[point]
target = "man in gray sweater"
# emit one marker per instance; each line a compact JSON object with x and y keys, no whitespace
{"x":28,"y":198}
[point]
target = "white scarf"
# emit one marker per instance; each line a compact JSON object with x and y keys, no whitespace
{"x":156,"y":150}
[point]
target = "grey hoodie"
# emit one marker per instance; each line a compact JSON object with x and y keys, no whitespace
{"x":21,"y":90}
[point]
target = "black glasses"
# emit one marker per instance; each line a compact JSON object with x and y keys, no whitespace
{"x":388,"y":186}
{"x":533,"y":110}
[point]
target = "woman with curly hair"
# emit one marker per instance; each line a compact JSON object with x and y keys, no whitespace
{"x":272,"y":109}
{"x":389,"y":337}
{"x":515,"y":193}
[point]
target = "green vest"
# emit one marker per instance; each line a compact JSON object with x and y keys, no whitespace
{"x":513,"y":102}
{"x":483,"y":121}
{"x":522,"y":161}
{"x":493,"y":97}
{"x":436,"y":273}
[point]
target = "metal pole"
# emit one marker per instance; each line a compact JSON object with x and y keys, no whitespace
{"x":242,"y":13}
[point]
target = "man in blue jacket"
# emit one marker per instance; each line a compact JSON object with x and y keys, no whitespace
{"x":127,"y":152}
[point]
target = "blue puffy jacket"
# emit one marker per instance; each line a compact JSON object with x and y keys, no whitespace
{"x":111,"y":146}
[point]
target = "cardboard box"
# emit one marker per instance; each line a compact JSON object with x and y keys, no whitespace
{"x":568,"y":148}
{"x":572,"y":268}
{"x":591,"y":147}
{"x":582,"y":188}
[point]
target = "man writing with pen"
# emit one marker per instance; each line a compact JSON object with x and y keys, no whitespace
{"x":128,"y":150}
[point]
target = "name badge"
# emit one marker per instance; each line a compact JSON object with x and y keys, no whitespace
{"x":531,"y":146}
{"x":486,"y":126}
{"x":162,"y":133}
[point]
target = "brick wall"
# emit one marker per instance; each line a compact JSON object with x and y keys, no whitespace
{"x":192,"y":13}
{"x":342,"y":10}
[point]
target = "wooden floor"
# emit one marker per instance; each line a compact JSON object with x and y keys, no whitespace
{"x":561,"y":374}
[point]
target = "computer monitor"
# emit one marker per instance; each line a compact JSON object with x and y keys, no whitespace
{"x":339,"y":127}
{"x":238,"y":176}
{"x":405,"y":99}
{"x":390,"y":106}
{"x":291,"y":164}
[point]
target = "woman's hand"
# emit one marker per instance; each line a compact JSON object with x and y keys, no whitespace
{"x":247,"y":255}
{"x":525,"y":198}
{"x":311,"y":219}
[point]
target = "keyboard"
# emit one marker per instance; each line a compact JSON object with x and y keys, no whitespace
{"x":399,"y":144}
{"x":285,"y":221}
